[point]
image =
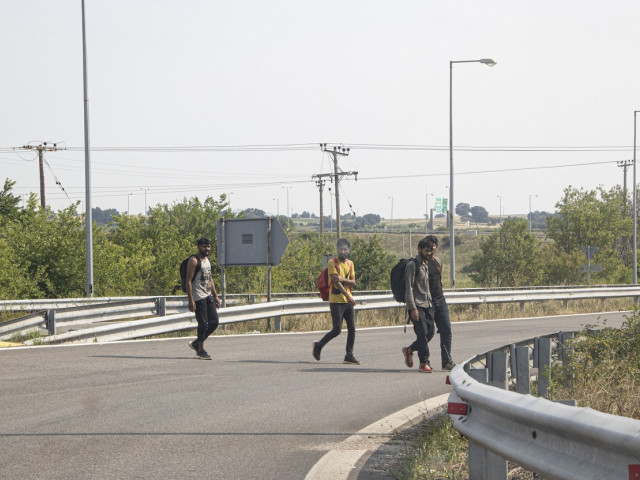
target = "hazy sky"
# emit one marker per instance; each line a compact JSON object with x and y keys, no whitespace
{"x":556,"y":110}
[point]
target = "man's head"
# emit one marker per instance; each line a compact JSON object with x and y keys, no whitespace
{"x":204,"y":246}
{"x":344,"y":249}
{"x":426,"y":247}
{"x":431,"y":244}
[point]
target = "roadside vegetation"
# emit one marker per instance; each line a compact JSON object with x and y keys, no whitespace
{"x":603,"y":373}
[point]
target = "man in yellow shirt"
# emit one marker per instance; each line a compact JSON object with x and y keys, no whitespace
{"x":342,"y":279}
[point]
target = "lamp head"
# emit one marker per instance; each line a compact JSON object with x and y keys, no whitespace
{"x":488,"y":61}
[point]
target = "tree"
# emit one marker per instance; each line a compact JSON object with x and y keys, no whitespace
{"x":594,"y":218}
{"x":462,"y":209}
{"x":253,"y":213}
{"x":479,"y":214}
{"x":8,"y":201}
{"x":509,"y":258}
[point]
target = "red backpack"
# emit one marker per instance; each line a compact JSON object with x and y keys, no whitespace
{"x":324,"y":283}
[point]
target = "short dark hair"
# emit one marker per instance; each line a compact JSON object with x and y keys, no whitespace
{"x":428,"y":242}
{"x":432,"y":238}
{"x":203,"y":241}
{"x":343,"y":241}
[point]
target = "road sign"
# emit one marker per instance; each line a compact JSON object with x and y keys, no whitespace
{"x":254,"y":241}
{"x":589,"y":252}
{"x":590,"y":268}
{"x":442,"y":205}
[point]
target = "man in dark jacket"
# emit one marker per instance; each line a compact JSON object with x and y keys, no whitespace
{"x":420,"y":308}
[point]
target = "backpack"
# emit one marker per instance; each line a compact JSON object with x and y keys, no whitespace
{"x":183,"y":271}
{"x":398,"y":285}
{"x":324,"y":282}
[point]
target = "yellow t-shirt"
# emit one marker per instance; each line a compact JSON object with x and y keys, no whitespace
{"x":346,"y":270}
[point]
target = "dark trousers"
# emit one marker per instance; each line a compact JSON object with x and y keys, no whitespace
{"x":340,"y":311}
{"x":424,"y":329}
{"x":207,"y":317}
{"x":443,"y":323}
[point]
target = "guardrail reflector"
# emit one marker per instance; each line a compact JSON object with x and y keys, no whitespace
{"x":634,"y":472}
{"x":447,"y":380}
{"x":454,"y":408}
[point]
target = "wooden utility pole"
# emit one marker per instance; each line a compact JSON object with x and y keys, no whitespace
{"x":320,"y":183}
{"x":624,"y":164}
{"x":336,"y":152}
{"x":43,"y":147}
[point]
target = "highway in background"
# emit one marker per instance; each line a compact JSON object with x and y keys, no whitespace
{"x":262,"y":409}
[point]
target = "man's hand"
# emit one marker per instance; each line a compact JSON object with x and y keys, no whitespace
{"x":415,"y":315}
{"x":192,"y":305}
{"x":217,"y":301}
{"x":351,"y":301}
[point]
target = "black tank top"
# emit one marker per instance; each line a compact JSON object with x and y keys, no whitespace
{"x":435,"y":278}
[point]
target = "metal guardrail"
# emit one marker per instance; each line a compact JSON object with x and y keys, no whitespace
{"x":553,"y":439}
{"x":174,"y":309}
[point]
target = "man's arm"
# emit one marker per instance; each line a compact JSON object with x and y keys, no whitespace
{"x":214,"y":293}
{"x":191,"y":268}
{"x":409,"y":277}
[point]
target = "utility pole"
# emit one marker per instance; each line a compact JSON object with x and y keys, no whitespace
{"x":43,"y":147}
{"x":320,"y":183}
{"x":336,"y":152}
{"x":625,"y":164}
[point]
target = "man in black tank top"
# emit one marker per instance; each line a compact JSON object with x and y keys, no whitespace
{"x":443,"y":322}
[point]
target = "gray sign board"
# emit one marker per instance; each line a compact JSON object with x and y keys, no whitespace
{"x":255,"y":241}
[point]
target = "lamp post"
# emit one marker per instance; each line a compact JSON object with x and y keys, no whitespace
{"x":277,"y":207}
{"x":500,"y":210}
{"x":145,"y":198}
{"x":426,"y":210}
{"x":452,"y":239}
{"x":391,"y":226}
{"x":635,"y":211}
{"x":530,"y":195}
{"x":288,"y":211}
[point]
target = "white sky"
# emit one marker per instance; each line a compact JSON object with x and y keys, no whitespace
{"x":179,"y":73}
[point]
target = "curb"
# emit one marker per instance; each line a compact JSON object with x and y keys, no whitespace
{"x":340,"y":462}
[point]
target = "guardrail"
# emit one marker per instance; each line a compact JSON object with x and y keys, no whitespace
{"x":166,"y":310}
{"x":553,"y":439}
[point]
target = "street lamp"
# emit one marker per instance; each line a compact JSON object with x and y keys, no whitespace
{"x":277,"y":207}
{"x":530,"y":195}
{"x":288,"y":211}
{"x":452,"y":241}
{"x":391,"y":227}
{"x":426,"y":210}
{"x":145,"y":198}
{"x":500,"y":210}
{"x":635,"y":211}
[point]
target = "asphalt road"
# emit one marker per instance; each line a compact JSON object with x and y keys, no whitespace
{"x":262,"y":409}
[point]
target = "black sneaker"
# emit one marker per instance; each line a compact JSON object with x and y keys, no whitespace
{"x":316,"y":351}
{"x":448,"y":366}
{"x":203,"y":355}
{"x":193,"y":346}
{"x":350,"y":359}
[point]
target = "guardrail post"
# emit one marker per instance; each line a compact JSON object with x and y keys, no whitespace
{"x":483,"y":464}
{"x":521,"y":306}
{"x":565,"y":303}
{"x":278,"y":323}
{"x":51,"y":322}
{"x":523,"y":371}
{"x":563,"y":350}
{"x":161,"y":306}
{"x":544,"y":361}
{"x":497,"y":362}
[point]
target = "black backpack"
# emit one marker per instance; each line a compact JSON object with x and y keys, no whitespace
{"x":398,"y":286}
{"x":183,"y":271}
